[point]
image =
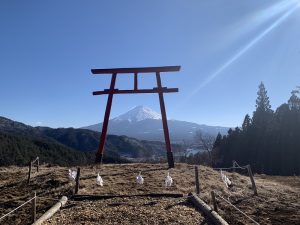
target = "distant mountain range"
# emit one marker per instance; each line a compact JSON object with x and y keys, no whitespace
{"x":143,"y":123}
{"x":67,"y":146}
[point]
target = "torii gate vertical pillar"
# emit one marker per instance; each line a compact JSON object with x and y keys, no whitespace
{"x":164,"y":121}
{"x":159,"y":89}
{"x":99,"y":155}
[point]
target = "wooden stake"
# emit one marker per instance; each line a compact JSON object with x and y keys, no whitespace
{"x":197,"y":180}
{"x":38,"y":164}
{"x":252,"y":179}
{"x":77,"y":180}
{"x":213,"y":198}
{"x":29,"y":172}
{"x":233,"y":165}
{"x":34,"y":208}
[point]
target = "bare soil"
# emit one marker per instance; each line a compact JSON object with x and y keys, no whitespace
{"x":278,"y":200}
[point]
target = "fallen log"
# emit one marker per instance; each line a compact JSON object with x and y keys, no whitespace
{"x":209,"y":212}
{"x":51,"y":211}
{"x":102,"y":197}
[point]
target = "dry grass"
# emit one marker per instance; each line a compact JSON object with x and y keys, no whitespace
{"x":130,"y":211}
{"x":277,"y":202}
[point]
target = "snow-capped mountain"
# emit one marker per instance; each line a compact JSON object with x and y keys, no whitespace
{"x":137,"y":114}
{"x":143,"y":123}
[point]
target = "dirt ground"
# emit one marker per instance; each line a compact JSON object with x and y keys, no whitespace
{"x":277,"y":201}
{"x":130,"y":211}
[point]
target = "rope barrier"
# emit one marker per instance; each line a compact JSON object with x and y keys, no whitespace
{"x":237,"y":208}
{"x":46,"y":198}
{"x":39,"y":197}
{"x":54,"y":199}
{"x":17,"y":208}
{"x":35,"y":160}
{"x":229,"y":168}
{"x":235,"y":163}
{"x":235,"y":166}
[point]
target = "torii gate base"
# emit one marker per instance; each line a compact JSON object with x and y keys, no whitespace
{"x":159,"y":89}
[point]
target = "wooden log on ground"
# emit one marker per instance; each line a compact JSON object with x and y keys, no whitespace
{"x":51,"y":211}
{"x":102,"y":197}
{"x":203,"y":207}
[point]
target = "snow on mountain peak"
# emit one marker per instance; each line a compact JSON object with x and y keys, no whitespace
{"x":137,"y":114}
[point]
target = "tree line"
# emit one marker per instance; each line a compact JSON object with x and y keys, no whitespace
{"x":269,"y":140}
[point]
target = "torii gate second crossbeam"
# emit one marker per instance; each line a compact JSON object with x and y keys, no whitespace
{"x":159,"y":89}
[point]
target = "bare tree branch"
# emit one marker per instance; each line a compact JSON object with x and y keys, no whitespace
{"x":206,"y":141}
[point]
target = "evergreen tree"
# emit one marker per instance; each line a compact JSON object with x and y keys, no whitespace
{"x":246,"y":123}
{"x":270,"y":141}
{"x":217,"y":141}
{"x":262,"y":116}
{"x":262,"y":101}
{"x":294,"y":101}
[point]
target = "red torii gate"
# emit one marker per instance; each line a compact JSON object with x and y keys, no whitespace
{"x":159,"y":89}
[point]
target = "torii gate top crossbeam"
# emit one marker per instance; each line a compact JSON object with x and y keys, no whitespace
{"x":137,"y":70}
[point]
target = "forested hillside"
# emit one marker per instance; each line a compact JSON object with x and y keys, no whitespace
{"x":16,"y":150}
{"x":269,"y":140}
{"x":67,"y":146}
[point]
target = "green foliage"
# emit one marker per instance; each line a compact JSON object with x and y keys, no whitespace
{"x":17,"y":150}
{"x":67,"y":146}
{"x":262,"y":101}
{"x":294,"y":101}
{"x":270,"y":141}
{"x":263,"y":114}
{"x":247,"y":123}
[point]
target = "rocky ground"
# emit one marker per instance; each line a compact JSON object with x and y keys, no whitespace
{"x":277,"y":201}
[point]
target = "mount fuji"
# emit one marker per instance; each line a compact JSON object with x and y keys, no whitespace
{"x":138,"y":114}
{"x":144,"y":123}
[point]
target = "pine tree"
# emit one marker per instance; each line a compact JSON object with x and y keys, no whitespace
{"x":262,"y":101}
{"x":263,"y":113}
{"x":270,"y":142}
{"x":216,"y":149}
{"x":294,"y":101}
{"x":246,"y":123}
{"x":217,"y":141}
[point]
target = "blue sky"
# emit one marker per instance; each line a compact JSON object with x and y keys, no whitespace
{"x":225,"y":48}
